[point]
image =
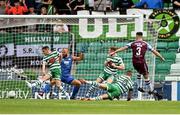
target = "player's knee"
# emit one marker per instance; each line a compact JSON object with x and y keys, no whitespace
{"x":146,"y":76}
{"x":76,"y":83}
{"x":99,"y":80}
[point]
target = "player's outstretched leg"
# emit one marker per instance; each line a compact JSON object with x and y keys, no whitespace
{"x":77,"y":85}
{"x":101,"y":97}
{"x":151,"y":91}
{"x":93,"y":87}
{"x":39,"y":81}
{"x":101,"y":86}
{"x":63,"y":91}
{"x":30,"y":85}
{"x":58,"y":84}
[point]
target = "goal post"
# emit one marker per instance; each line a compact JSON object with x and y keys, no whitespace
{"x":22,"y":37}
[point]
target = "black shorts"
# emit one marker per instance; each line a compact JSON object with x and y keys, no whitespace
{"x":141,"y":67}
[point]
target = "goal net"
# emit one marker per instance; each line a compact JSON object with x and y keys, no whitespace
{"x":22,"y":37}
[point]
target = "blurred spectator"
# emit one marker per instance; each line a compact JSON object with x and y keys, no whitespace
{"x":90,"y":5}
{"x":38,"y":4}
{"x":61,"y":6}
{"x":43,"y":10}
{"x":17,"y":9}
{"x":60,"y":28}
{"x":150,"y":4}
{"x":80,"y":5}
{"x":104,"y":5}
{"x":76,"y":5}
{"x":30,"y":3}
{"x":31,"y":11}
{"x":2,"y":7}
{"x":176,"y":4}
{"x":124,"y":5}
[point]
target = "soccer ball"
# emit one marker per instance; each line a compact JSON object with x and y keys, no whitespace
{"x":11,"y":94}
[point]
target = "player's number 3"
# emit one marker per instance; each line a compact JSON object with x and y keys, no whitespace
{"x":138,"y":51}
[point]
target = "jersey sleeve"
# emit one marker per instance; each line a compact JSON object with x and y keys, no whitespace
{"x":129,"y":45}
{"x":57,"y":53}
{"x":150,"y":48}
{"x":120,"y":61}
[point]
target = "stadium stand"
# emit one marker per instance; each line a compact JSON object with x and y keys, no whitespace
{"x":72,"y":6}
{"x":168,"y":50}
{"x":174,"y":70}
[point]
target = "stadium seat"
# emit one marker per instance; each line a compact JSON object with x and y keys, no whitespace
{"x":173,"y":45}
{"x":90,"y":56}
{"x":169,"y":55}
{"x":127,"y":55}
{"x":163,"y":68}
{"x":81,"y":47}
{"x":102,"y":56}
{"x":159,"y":77}
{"x":128,"y":66}
{"x":120,"y":44}
{"x":162,"y":45}
{"x":108,"y":45}
{"x":83,"y":66}
{"x":97,"y":66}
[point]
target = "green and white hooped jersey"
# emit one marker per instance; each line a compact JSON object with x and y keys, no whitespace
{"x":124,"y":83}
{"x":116,"y":60}
{"x":52,"y":60}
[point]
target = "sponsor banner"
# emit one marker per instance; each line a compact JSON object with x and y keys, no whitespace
{"x":167,"y":25}
{"x":59,"y":47}
{"x":24,"y":62}
{"x":6,"y":50}
{"x":41,"y":38}
{"x":36,"y":50}
{"x":30,"y":50}
{"x":6,"y":62}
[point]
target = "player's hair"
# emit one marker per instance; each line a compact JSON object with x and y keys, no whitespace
{"x":65,"y":48}
{"x":139,"y":33}
{"x":45,"y":47}
{"x":129,"y":72}
{"x":113,"y":48}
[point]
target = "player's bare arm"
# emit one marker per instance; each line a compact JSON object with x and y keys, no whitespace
{"x":158,"y":55}
{"x":60,"y":57}
{"x":130,"y":92}
{"x":119,"y":67}
{"x":78,"y":58}
{"x":106,"y":63}
{"x":120,"y":49}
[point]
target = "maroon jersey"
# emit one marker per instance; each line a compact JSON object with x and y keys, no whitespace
{"x":139,"y":49}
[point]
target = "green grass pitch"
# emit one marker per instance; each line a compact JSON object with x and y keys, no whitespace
{"x":31,"y":106}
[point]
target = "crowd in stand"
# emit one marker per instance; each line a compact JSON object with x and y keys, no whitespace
{"x":45,"y":7}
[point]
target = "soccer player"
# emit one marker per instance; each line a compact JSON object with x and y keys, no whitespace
{"x":139,"y":48}
{"x":51,"y":59}
{"x":112,"y":64}
{"x":66,"y":65}
{"x":120,"y":85}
